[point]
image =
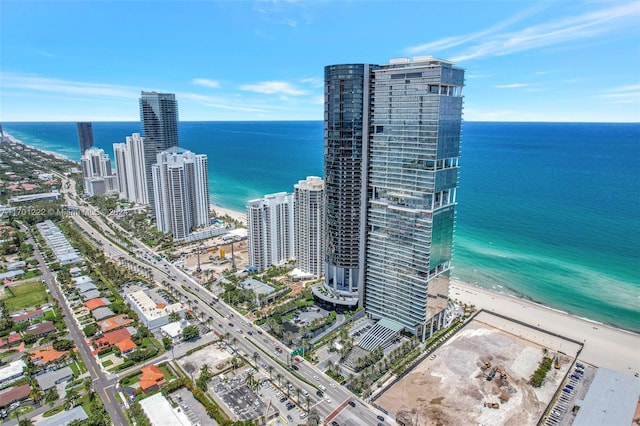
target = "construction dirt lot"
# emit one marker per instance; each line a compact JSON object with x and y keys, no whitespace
{"x":452,"y":388}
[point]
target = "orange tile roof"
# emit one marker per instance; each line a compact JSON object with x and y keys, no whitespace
{"x":94,"y":303}
{"x":114,"y":323}
{"x":113,"y":337}
{"x":126,"y":345}
{"x":43,"y":356}
{"x":151,"y":376}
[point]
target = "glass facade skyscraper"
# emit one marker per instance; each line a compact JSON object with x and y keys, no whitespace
{"x":159,"y":116}
{"x":392,"y":144}
{"x":85,"y":136}
{"x":413,"y":176}
{"x":346,"y":134}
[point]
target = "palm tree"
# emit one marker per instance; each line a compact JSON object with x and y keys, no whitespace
{"x":234,"y":340}
{"x":298,"y":392}
{"x":307,"y":400}
{"x":255,"y":357}
{"x":287,"y":383}
{"x":279,"y":377}
{"x":270,"y":370}
{"x":36,"y":394}
{"x":70,"y":399}
{"x":249,"y":379}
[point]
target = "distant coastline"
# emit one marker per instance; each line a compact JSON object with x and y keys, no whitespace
{"x":526,"y":224}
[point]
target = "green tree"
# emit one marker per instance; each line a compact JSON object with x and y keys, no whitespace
{"x":63,"y":345}
{"x":90,"y":330}
{"x":190,"y":332}
{"x":166,"y":341}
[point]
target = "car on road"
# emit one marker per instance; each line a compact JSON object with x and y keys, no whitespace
{"x":381,"y":418}
{"x":289,"y":418}
{"x":351,"y":403}
{"x":230,"y":324}
{"x":319,"y":393}
{"x":303,"y":415}
{"x":328,"y":400}
{"x":295,"y":367}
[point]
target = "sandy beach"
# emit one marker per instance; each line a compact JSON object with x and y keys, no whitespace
{"x":604,"y":346}
{"x":240,"y":216}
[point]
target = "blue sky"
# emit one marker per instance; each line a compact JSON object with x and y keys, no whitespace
{"x":264,"y":60}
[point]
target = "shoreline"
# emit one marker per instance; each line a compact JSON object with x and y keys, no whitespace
{"x":482,"y":295}
{"x":604,"y":345}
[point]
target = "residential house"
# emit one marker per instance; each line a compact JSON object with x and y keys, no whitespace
{"x":27,"y":316}
{"x":15,"y":394}
{"x":52,"y":378}
{"x":46,"y":356}
{"x":151,"y":378}
{"x":42,"y":329}
{"x":12,"y":371}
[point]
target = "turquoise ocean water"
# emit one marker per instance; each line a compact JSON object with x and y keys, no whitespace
{"x":547,"y":211}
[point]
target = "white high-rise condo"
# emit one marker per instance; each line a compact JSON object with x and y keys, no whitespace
{"x":309,"y":219}
{"x":129,"y":158}
{"x":392,"y":144}
{"x":99,"y":179}
{"x":181,"y":192}
{"x":270,"y":230}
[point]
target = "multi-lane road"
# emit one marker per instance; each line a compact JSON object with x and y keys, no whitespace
{"x":225,"y":320}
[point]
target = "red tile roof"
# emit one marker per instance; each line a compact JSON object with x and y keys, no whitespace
{"x":151,"y":376}
{"x":114,"y":323}
{"x":126,"y":345}
{"x":94,"y":303}
{"x":113,"y":337}
{"x":44,"y":356}
{"x":13,"y":338}
{"x":42,"y":328}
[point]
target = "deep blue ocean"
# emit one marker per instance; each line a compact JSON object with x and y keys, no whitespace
{"x":546,"y":211}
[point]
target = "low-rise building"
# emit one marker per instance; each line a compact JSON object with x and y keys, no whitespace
{"x":152,"y":314}
{"x":160,"y":412}
{"x":11,"y":275}
{"x":96,"y":303}
{"x":151,"y":378}
{"x":42,"y":329}
{"x":16,"y":265}
{"x":46,"y":356}
{"x":52,"y":378}
{"x":65,"y":417}
{"x":11,"y":339}
{"x":102,"y":313}
{"x":174,"y":330}
{"x":12,"y":372}
{"x":126,"y":346}
{"x":84,"y":287}
{"x":27,"y":316}
{"x":114,"y":323}
{"x":15,"y":394}
{"x":91,"y":294}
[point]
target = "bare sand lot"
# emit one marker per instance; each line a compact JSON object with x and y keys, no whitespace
{"x":452,"y":388}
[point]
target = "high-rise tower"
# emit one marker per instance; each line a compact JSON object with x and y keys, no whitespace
{"x":159,"y":116}
{"x":270,"y":230}
{"x":129,"y":158}
{"x":181,"y":189}
{"x":346,"y":134}
{"x":85,"y":136}
{"x":392,"y":144}
{"x":309,"y":220}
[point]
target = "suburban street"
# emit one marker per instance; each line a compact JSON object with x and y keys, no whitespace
{"x":102,"y":385}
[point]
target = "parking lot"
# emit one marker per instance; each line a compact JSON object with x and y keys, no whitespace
{"x":192,"y":409}
{"x":573,"y":389}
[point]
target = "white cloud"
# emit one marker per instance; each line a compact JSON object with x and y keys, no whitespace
{"x":622,"y":94}
{"x":511,"y":86}
{"x":214,"y":84}
{"x":54,"y":85}
{"x":449,"y":42}
{"x":273,"y":87}
{"x":313,"y":81}
{"x":559,"y":31}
